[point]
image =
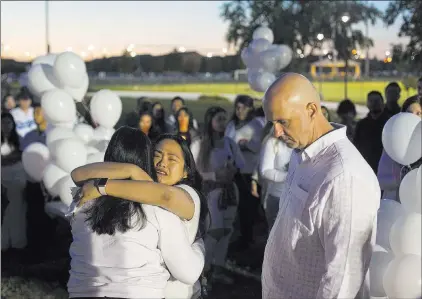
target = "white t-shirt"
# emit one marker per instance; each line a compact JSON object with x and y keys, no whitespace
{"x":219,"y":156}
{"x":137,"y":263}
{"x":25,"y":122}
{"x":252,"y":133}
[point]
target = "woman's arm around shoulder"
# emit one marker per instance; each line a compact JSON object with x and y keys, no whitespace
{"x":184,"y":261}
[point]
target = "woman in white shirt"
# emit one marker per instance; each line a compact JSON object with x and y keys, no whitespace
{"x":245,"y":130}
{"x":13,"y":180}
{"x":218,"y":158}
{"x":134,"y":264}
{"x":273,"y":168}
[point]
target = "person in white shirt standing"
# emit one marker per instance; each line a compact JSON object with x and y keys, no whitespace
{"x":176,"y":104}
{"x":273,"y":166}
{"x":322,"y":240}
{"x":245,"y":130}
{"x":24,"y":115}
{"x":218,"y":159}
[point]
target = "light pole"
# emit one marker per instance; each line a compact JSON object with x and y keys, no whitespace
{"x":47,"y":37}
{"x":345,"y":18}
{"x":320,"y":37}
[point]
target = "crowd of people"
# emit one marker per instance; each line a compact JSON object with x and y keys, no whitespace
{"x":168,"y":200}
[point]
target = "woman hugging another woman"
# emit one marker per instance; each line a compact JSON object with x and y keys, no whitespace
{"x":130,"y":242}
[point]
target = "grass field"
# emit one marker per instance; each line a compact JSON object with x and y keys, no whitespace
{"x":331,"y":91}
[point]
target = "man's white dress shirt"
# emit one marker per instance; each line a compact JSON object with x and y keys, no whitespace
{"x":321,"y":243}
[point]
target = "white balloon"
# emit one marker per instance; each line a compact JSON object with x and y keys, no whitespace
{"x":84,"y":132}
{"x":64,"y":185}
{"x":102,"y":133}
{"x":244,"y":54}
{"x":106,"y":108}
{"x":388,"y":213}
{"x":264,"y":33}
{"x":95,"y":158}
{"x":378,"y":266}
{"x":253,"y":79}
{"x":403,"y":277}
{"x":41,"y":78}
{"x":410,"y":191}
{"x":52,"y":174}
{"x":263,"y":80}
{"x":405,"y":235}
{"x":285,"y":57}
{"x":70,"y":69}
{"x":58,"y":106}
{"x":79,"y":93}
{"x":67,"y":125}
{"x":45,"y":59}
{"x":91,"y":150}
{"x":269,"y":60}
{"x":58,"y":133}
{"x":259,"y":45}
{"x":401,"y":138}
{"x":35,"y":159}
{"x":70,"y":154}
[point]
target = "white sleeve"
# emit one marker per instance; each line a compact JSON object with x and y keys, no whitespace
{"x":254,"y":144}
{"x":267,"y":163}
{"x":347,"y":233}
{"x":192,"y":225}
{"x":195,"y":148}
{"x":237,"y":153}
{"x":230,"y":131}
{"x":184,"y":261}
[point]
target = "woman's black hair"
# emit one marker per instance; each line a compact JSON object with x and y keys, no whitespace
{"x":13,"y":139}
{"x":345,"y":107}
{"x":3,"y":101}
{"x":259,"y":112}
{"x":107,"y":214}
{"x":245,"y":100}
{"x":191,"y":128}
{"x":410,"y":101}
{"x":207,"y":143}
{"x":143,"y":104}
{"x":160,"y":122}
{"x":193,"y":178}
{"x":153,"y":131}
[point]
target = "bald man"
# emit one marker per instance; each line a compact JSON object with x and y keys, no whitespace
{"x":321,"y":242}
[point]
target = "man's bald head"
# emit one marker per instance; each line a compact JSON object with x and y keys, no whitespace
{"x":293,"y":105}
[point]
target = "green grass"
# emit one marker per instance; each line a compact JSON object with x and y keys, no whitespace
{"x":331,"y":91}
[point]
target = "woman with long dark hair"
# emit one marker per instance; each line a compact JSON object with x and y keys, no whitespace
{"x":119,"y":245}
{"x":185,"y":125}
{"x":218,"y":159}
{"x":13,"y":180}
{"x":177,"y":191}
{"x":246,"y":130}
{"x":147,"y":125}
{"x":159,"y":116}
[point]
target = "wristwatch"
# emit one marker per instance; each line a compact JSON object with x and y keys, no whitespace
{"x":101,"y":186}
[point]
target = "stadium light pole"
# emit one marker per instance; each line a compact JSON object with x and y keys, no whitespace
{"x":47,"y":37}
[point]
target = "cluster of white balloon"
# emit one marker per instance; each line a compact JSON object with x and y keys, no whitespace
{"x":59,"y":81}
{"x":262,"y":59}
{"x":395,"y":270}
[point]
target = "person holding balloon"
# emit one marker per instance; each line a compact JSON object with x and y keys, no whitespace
{"x":37,"y":135}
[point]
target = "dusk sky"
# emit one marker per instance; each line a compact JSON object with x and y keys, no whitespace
{"x":91,"y":28}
